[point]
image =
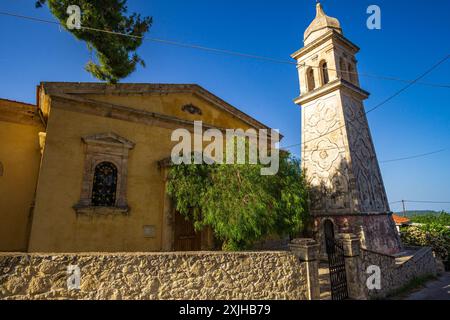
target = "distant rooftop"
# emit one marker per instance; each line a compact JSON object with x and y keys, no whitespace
{"x":401,"y":220}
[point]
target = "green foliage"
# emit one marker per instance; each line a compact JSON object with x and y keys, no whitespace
{"x":442,"y":218}
{"x":412,"y":213}
{"x":116,"y":57}
{"x":434,"y":235}
{"x":238,"y":203}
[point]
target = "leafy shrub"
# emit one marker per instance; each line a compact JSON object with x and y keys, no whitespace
{"x":434,"y":235}
{"x":443,"y":218}
{"x":238,"y":203}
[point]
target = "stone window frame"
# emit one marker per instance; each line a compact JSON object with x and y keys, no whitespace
{"x":105,"y":147}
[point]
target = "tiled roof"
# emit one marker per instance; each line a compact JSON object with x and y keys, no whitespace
{"x":400,"y":220}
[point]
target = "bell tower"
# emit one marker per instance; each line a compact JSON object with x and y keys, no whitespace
{"x":338,"y":155}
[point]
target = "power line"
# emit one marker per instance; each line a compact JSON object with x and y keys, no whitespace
{"x":400,"y":159}
{"x":383,"y":77}
{"x":436,"y":85}
{"x":215,"y":50}
{"x":397,"y":93}
{"x":169,"y":42}
{"x":229,"y":52}
{"x":423,"y":75}
{"x":392,"y":160}
{"x":415,"y":156}
{"x":435,"y":202}
{"x":418,"y":201}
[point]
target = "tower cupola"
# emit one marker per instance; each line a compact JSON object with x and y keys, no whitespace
{"x":320,"y":25}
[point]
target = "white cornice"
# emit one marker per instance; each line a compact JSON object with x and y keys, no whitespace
{"x":330,"y":87}
{"x":332,"y":34}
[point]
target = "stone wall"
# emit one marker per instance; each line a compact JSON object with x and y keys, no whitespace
{"x":197,"y":275}
{"x":397,"y":271}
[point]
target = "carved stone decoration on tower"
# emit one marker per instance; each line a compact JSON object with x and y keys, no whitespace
{"x":338,"y":154}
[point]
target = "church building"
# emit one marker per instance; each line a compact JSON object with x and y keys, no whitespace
{"x":85,"y":169}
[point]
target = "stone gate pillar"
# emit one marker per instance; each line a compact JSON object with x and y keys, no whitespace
{"x":307,"y":250}
{"x":353,"y":266}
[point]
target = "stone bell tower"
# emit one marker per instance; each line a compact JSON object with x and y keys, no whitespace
{"x":338,"y":155}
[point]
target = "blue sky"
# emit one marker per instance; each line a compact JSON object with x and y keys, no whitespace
{"x":414,"y":36}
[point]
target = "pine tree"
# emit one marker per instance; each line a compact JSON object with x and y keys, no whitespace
{"x":116,"y":56}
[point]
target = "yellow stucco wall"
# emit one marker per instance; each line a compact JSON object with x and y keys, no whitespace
{"x":171,"y":104}
{"x":56,"y":226}
{"x":20,"y":157}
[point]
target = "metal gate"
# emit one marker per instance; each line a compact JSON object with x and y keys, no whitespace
{"x":338,"y":277}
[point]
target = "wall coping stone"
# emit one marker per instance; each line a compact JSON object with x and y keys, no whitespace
{"x":139,"y":254}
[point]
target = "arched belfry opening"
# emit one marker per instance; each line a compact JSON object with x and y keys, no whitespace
{"x":343,"y":69}
{"x":324,"y":72}
{"x":310,"y":79}
{"x":351,"y":73}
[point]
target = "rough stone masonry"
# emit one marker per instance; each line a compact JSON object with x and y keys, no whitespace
{"x":191,"y":275}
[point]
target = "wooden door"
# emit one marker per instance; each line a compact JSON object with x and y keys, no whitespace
{"x":186,"y":239}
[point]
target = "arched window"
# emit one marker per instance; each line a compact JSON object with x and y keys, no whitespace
{"x":310,"y":79}
{"x":324,"y":71}
{"x":351,"y":73}
{"x":342,"y":68}
{"x":104,"y":185}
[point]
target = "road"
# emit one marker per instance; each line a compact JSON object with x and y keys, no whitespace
{"x":434,"y":290}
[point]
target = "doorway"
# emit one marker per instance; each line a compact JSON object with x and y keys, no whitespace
{"x":328,"y":229}
{"x":186,"y":238}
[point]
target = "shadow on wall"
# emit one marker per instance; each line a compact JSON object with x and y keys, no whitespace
{"x":329,"y":192}
{"x":352,"y":204}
